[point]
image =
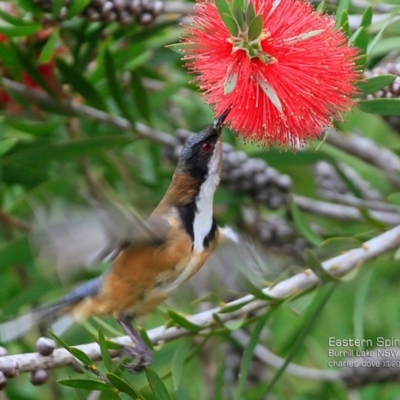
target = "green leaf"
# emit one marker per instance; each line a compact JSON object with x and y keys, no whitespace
{"x":269,"y":92}
{"x":47,"y":52}
{"x":123,"y":386}
{"x":377,"y":38}
{"x":315,"y":265}
{"x":10,"y":60}
{"x":14,"y":20}
{"x":105,"y":355}
{"x":79,"y":83}
{"x":178,"y":363}
{"x":86,"y":384}
{"x":230,"y":24}
{"x":360,"y":39}
{"x":388,"y":107}
{"x":222,"y":7}
{"x":339,"y":245}
{"x":302,"y":225}
{"x":37,"y":128}
{"x":16,"y":31}
{"x":311,"y":317}
{"x":156,"y":385}
{"x":251,"y":14}
{"x":81,"y":356}
{"x":60,"y":341}
{"x":181,"y":321}
{"x":32,"y":69}
{"x":343,"y":7}
{"x":7,"y":144}
{"x":240,"y":18}
{"x":321,"y":6}
{"x":344,"y":23}
{"x":376,"y":83}
{"x":360,"y":303}
{"x":234,"y":307}
{"x":248,"y":357}
{"x":115,"y":87}
{"x":75,"y":7}
{"x":367,"y":17}
{"x":255,"y":28}
{"x":140,"y":97}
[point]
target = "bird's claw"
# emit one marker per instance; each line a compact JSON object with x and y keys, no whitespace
{"x":140,"y":358}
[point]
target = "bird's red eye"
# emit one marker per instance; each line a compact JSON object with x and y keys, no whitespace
{"x":207,"y":146}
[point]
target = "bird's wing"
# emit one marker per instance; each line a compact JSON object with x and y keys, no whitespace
{"x":85,"y":237}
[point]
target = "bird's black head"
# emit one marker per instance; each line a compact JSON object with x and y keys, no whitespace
{"x":201,"y":155}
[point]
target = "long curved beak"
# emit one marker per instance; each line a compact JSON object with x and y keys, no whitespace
{"x":218,"y":122}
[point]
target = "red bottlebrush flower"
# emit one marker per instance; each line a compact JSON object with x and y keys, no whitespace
{"x":281,"y":67}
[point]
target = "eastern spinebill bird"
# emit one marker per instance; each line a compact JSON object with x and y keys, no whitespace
{"x":180,"y":235}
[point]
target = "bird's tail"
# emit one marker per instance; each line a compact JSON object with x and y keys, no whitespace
{"x":55,"y":313}
{"x":13,"y":329}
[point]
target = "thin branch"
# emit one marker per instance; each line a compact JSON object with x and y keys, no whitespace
{"x":69,"y":107}
{"x":351,"y":200}
{"x":344,"y":212}
{"x":13,"y":222}
{"x":367,"y":150}
{"x":298,"y":283}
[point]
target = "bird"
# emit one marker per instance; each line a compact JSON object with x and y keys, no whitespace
{"x":153,"y":261}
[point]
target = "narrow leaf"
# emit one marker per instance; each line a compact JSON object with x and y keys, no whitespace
{"x":7,"y":144}
{"x":377,"y":37}
{"x":60,"y":341}
{"x":182,"y":321}
{"x":230,"y":24}
{"x":76,"y":79}
{"x":140,"y":97}
{"x":115,"y":86}
{"x":7,"y":17}
{"x":376,"y":83}
{"x":123,"y":385}
{"x":178,"y":363}
{"x":250,"y":13}
{"x":105,"y":355}
{"x":315,"y":265}
{"x":222,"y":7}
{"x":270,"y":92}
{"x":16,"y":31}
{"x":255,"y":28}
{"x":234,"y":307}
{"x":321,"y":6}
{"x":156,"y":385}
{"x":32,"y":69}
{"x":81,"y":356}
{"x":360,"y":302}
{"x":367,"y":17}
{"x":87,"y":384}
{"x":302,"y":225}
{"x":311,"y":318}
{"x":47,"y":52}
{"x":389,"y":107}
{"x":248,"y":356}
{"x":75,"y":7}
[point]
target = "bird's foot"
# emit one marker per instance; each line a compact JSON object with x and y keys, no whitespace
{"x":141,"y":357}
